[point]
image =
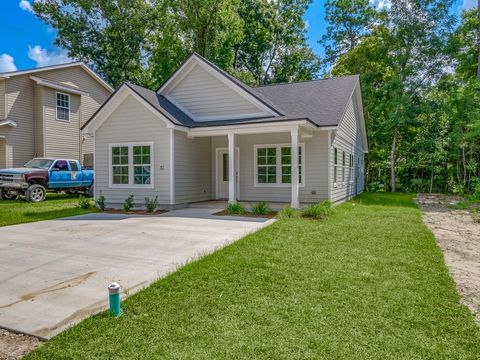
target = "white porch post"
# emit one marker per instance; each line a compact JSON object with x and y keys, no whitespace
{"x":295,"y":184}
{"x":232,"y":186}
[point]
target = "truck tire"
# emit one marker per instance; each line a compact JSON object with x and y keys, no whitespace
{"x":5,"y":195}
{"x":35,"y":193}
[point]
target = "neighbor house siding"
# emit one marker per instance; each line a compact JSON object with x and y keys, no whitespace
{"x":20,"y":103}
{"x":3,"y":153}
{"x":193,"y":169}
{"x":132,"y":122}
{"x":316,"y":165}
{"x":2,"y":99}
{"x":39,"y":121}
{"x":347,"y":139}
{"x":203,"y":95}
{"x":61,"y":137}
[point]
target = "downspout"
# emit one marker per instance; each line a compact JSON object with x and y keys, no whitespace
{"x":329,"y":165}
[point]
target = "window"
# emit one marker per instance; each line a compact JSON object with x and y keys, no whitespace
{"x":225,"y":167}
{"x":351,"y":167}
{"x":131,"y":165}
{"x":73,"y":166}
{"x":141,"y":165}
{"x":273,"y":164}
{"x":63,"y":107}
{"x":335,"y":165}
{"x":61,"y":165}
{"x":343,"y":166}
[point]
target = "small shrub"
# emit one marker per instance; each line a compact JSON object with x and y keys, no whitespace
{"x":101,"y":202}
{"x":151,"y":205}
{"x":84,"y":202}
{"x":235,"y":209}
{"x":476,"y":215}
{"x":318,"y":211}
{"x":261,"y":209}
{"x":128,"y":203}
{"x":288,"y":213}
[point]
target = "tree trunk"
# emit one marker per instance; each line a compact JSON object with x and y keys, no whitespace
{"x":393,"y":159}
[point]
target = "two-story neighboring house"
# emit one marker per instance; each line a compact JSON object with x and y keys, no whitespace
{"x":43,"y":109}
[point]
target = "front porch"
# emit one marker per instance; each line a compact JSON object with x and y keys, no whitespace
{"x":221,"y":204}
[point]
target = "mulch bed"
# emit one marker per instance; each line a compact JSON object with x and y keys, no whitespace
{"x":134,"y":212}
{"x":271,"y":215}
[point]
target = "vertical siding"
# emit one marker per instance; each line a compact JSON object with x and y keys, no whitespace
{"x":3,"y":153}
{"x":203,"y":95}
{"x":132,"y":122}
{"x":61,"y":137}
{"x":193,"y":169}
{"x":39,"y":122}
{"x":2,"y":99}
{"x":20,"y":102}
{"x":316,"y":165}
{"x":348,"y":139}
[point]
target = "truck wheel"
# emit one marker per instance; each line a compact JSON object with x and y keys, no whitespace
{"x":5,"y":195}
{"x":35,"y":193}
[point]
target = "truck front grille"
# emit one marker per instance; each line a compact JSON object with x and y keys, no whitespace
{"x":7,"y":178}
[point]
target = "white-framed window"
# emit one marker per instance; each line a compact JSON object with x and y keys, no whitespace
{"x":131,"y":165}
{"x":63,"y":106}
{"x":335,"y":165}
{"x":343,"y":166}
{"x":352,"y":159}
{"x":273,"y":165}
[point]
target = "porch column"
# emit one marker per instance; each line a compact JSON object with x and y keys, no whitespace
{"x":295,"y":184}
{"x":232,"y":186}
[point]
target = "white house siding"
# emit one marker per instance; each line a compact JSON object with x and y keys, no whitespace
{"x":3,"y":153}
{"x":193,"y":169}
{"x":316,"y":165}
{"x":39,"y":122}
{"x":2,"y":99}
{"x":133,"y":122}
{"x":61,"y":137}
{"x":348,"y":139}
{"x":203,"y":95}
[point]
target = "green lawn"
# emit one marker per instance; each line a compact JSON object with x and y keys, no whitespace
{"x":55,"y":206}
{"x":367,"y":283}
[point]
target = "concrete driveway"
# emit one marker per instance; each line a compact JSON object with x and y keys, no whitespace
{"x":55,"y":273}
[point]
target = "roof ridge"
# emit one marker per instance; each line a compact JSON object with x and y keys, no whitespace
{"x":306,"y":81}
{"x":40,"y":68}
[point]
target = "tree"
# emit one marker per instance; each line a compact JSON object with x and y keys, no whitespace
{"x":348,"y":22}
{"x":108,"y":35}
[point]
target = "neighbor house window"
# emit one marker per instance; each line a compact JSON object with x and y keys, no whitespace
{"x":351,"y":167}
{"x":343,"y":166}
{"x":131,"y":165}
{"x":63,"y":107}
{"x":335,"y":165}
{"x":273,"y":164}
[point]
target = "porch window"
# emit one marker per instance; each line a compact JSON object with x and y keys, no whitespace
{"x":273,"y":164}
{"x":131,"y":165}
{"x":63,"y":107}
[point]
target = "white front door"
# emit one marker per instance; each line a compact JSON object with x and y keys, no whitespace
{"x":222,"y":176}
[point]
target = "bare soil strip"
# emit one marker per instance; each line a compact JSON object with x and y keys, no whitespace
{"x":15,"y":346}
{"x":458,"y":235}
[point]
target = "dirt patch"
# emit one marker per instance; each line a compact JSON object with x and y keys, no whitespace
{"x":15,"y":346}
{"x":458,"y":235}
{"x":272,"y":215}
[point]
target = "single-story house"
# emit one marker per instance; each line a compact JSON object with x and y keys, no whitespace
{"x":205,"y":135}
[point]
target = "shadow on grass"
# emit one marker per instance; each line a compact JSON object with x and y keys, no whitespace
{"x":52,"y":214}
{"x":386,"y":199}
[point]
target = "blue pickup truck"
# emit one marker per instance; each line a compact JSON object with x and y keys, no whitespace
{"x":40,"y":175}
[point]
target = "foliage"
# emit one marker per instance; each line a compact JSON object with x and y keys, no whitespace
{"x":318,"y":211}
{"x":101,"y":202}
{"x":234,"y":208}
{"x":261,"y":209}
{"x":151,"y":204}
{"x":319,"y":289}
{"x":84,"y":202}
{"x":128,"y":204}
{"x":288,"y":213}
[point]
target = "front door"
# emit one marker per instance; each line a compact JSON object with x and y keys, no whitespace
{"x":222,"y":173}
{"x":59,"y":175}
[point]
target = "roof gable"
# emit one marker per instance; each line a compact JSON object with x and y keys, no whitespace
{"x":206,"y":93}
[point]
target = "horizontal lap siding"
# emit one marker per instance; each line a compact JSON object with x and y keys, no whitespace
{"x":204,"y":96}
{"x":61,"y":137}
{"x":39,"y":122}
{"x":3,"y":154}
{"x":348,"y":139}
{"x":316,"y":165}
{"x":133,"y":122}
{"x":193,"y":168}
{"x":2,"y":99}
{"x":20,"y":102}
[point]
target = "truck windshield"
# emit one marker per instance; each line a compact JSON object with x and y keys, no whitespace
{"x":39,"y":163}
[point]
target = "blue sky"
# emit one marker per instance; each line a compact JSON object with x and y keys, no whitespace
{"x":26,"y":42}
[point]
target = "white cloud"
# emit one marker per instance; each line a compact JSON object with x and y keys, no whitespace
{"x":469,"y":4}
{"x":44,"y":58}
{"x":25,"y":5}
{"x":381,"y":4}
{"x":7,"y":63}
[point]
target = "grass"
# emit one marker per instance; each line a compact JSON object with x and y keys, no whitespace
{"x":368,"y":282}
{"x":55,"y":206}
